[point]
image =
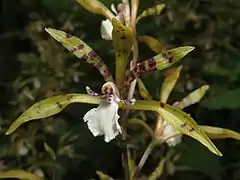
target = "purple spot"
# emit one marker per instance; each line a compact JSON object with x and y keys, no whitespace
{"x":92,"y":54}
{"x":85,"y":57}
{"x":73,"y":50}
{"x":152,"y":65}
{"x":68,"y":35}
{"x":80,"y":47}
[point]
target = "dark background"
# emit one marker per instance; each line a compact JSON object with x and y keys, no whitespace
{"x":33,"y":66}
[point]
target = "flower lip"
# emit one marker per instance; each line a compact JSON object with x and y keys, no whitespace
{"x":103,"y":120}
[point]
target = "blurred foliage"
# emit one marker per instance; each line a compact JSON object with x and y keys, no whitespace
{"x":33,"y":66}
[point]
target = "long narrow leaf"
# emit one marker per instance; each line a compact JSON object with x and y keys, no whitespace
{"x":152,"y":43}
{"x":193,"y":97}
{"x":49,"y":107}
{"x":19,"y":174}
{"x":156,"y":10}
{"x":103,"y":176}
{"x":178,"y":120}
{"x":81,"y":50}
{"x":168,"y":84}
{"x":122,"y":41}
{"x":220,"y":133}
{"x":143,"y":90}
{"x":96,"y":7}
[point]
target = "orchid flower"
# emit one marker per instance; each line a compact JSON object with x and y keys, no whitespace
{"x":103,"y":120}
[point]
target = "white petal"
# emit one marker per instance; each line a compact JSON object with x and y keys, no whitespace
{"x":104,"y":120}
{"x":169,"y":131}
{"x":106,"y":30}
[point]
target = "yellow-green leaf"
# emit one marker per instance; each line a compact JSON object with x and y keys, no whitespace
{"x":122,"y":41}
{"x":158,"y":62}
{"x":143,"y":90}
{"x":168,"y":84}
{"x":80,"y":49}
{"x":178,"y":120}
{"x":50,"y":151}
{"x":19,"y":174}
{"x":153,"y":11}
{"x":193,"y":97}
{"x":96,"y":7}
{"x":103,"y":176}
{"x":131,"y":166}
{"x":220,"y":133}
{"x":49,"y":107}
{"x":158,"y":171}
{"x":152,"y":43}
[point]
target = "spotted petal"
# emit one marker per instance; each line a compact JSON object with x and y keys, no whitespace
{"x":81,"y":50}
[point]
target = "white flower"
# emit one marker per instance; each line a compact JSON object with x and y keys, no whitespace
{"x":106,"y":30}
{"x":104,"y":120}
{"x":166,"y":133}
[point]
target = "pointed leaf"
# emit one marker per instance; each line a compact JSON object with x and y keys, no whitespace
{"x":168,"y":84}
{"x":193,"y":97}
{"x":158,"y":62}
{"x":152,"y":43}
{"x":158,"y":171}
{"x":96,"y":7}
{"x":122,"y":41}
{"x":19,"y":174}
{"x":220,"y":133}
{"x":50,"y":151}
{"x":156,"y":10}
{"x":49,"y":107}
{"x":81,"y":50}
{"x":103,"y":176}
{"x":178,"y":120}
{"x":143,"y":90}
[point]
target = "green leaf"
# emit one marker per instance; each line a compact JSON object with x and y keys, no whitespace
{"x":143,"y":90}
{"x":96,"y":7}
{"x":103,"y":176}
{"x":178,"y":120}
{"x":220,"y":133}
{"x":81,"y":50}
{"x":158,"y":62}
{"x":152,"y":43}
{"x":193,"y":97}
{"x":228,"y":99}
{"x":158,"y":171}
{"x":49,"y":107}
{"x":19,"y":174}
{"x":168,"y":84}
{"x":153,"y":11}
{"x":50,"y":151}
{"x":122,"y":41}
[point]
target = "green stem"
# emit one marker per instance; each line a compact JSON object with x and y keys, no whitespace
{"x":144,"y":157}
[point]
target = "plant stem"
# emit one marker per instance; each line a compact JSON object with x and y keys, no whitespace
{"x":144,"y":157}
